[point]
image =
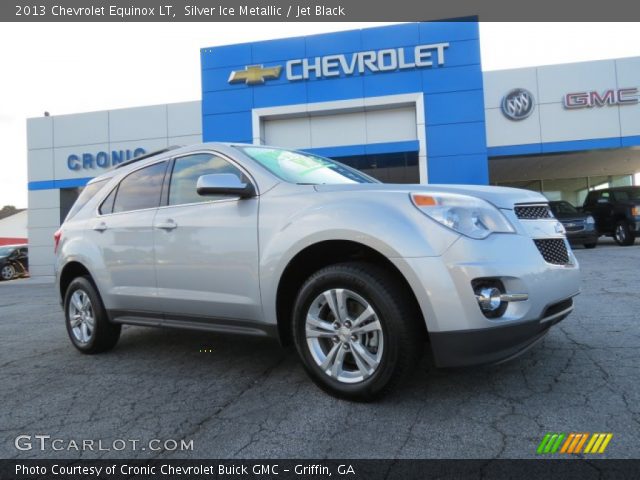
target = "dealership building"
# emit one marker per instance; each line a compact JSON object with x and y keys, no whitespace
{"x":405,"y":103}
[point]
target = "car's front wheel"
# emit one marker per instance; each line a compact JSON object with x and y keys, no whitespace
{"x":87,"y":323}
{"x":7,"y":272}
{"x":356,"y":331}
{"x":623,"y":234}
{"x":591,"y":245}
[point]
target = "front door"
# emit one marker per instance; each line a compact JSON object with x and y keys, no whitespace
{"x":206,"y":247}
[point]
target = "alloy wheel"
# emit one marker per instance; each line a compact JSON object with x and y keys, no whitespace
{"x":7,"y":272}
{"x":81,"y":316}
{"x":621,"y":234}
{"x":344,"y":335}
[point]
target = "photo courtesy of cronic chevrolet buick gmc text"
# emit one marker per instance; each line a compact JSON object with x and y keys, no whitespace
{"x":358,"y":275}
{"x":616,"y":212}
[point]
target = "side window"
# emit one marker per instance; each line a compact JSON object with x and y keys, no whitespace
{"x":107,"y":204}
{"x":621,"y":196}
{"x":140,"y":189}
{"x":187,"y":170}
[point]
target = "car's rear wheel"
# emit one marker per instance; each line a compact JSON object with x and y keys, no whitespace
{"x":356,"y":331}
{"x":623,"y":235}
{"x":7,"y":272}
{"x":87,"y":323}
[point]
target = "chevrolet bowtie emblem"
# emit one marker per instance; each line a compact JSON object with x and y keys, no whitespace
{"x":254,"y":74}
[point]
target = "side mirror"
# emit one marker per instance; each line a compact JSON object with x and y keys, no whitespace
{"x":224,"y":184}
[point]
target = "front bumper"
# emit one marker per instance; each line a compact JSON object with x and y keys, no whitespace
{"x":494,"y":345}
{"x":459,"y":332}
{"x":582,"y":237}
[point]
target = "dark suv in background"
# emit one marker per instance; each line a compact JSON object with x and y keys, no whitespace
{"x":580,"y":226}
{"x":616,"y":212}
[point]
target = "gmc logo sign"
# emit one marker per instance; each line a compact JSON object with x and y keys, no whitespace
{"x":621,"y":96}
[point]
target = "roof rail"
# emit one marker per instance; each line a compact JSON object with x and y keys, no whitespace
{"x":148,"y":155}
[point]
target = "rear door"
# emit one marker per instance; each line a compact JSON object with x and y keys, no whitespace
{"x":206,"y":246}
{"x":123,"y":230}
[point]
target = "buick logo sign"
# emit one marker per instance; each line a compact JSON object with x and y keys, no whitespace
{"x":517,"y":104}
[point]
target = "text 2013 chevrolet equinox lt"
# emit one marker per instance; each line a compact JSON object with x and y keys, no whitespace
{"x":357,"y":274}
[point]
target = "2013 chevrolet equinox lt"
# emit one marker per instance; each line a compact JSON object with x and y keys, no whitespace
{"x":357,"y":274}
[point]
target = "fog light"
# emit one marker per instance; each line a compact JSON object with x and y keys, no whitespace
{"x":492,"y":298}
{"x":489,"y":293}
{"x":489,"y":299}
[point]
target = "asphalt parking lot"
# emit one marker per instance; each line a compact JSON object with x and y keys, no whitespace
{"x":249,"y":398}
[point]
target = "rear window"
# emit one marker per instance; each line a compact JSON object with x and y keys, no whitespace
{"x":87,"y":194}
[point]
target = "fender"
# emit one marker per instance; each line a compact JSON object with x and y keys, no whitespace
{"x":404,"y":232}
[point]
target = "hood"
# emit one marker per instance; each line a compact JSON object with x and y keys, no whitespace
{"x":501,"y":197}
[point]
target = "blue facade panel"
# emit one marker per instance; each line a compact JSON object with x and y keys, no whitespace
{"x":464,"y":169}
{"x":329,"y":89}
{"x":229,"y":127}
{"x":468,"y":106}
{"x":340,"y":42}
{"x":456,"y":139}
{"x":453,"y":100}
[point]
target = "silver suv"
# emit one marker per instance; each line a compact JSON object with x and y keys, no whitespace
{"x":358,"y":275}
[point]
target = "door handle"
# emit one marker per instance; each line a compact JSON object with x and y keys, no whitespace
{"x":100,"y":227}
{"x":168,"y":225}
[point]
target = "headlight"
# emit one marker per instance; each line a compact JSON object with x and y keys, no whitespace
{"x":590,"y":220}
{"x":470,"y":216}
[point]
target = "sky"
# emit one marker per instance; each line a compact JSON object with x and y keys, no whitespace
{"x":80,"y":67}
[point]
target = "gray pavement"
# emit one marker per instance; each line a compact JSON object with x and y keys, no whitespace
{"x":249,"y":398}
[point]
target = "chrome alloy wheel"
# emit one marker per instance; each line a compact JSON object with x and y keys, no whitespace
{"x":621,"y":233}
{"x":81,"y":316}
{"x":344,"y":335}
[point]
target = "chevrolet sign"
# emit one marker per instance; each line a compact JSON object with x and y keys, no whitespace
{"x":386,"y":60}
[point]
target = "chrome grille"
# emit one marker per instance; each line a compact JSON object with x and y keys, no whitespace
{"x":575,"y":226}
{"x":553,"y":250}
{"x":532,"y":212}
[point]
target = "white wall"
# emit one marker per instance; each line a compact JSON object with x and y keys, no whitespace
{"x":14,"y":226}
{"x":352,"y":128}
{"x":550,"y":121}
{"x":50,"y":141}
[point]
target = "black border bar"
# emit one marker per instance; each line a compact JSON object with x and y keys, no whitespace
{"x":314,"y":10}
{"x":285,"y":469}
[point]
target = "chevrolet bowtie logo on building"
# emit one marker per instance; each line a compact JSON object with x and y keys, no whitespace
{"x":255,"y":74}
{"x":574,"y":443}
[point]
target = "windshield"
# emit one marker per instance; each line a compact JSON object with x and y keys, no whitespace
{"x":305,"y":168}
{"x":563,"y":207}
{"x":6,"y":251}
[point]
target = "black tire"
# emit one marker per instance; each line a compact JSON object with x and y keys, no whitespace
{"x":623,"y":235}
{"x":104,"y":334}
{"x":403,"y":333}
{"x":7,"y":272}
{"x":591,"y":245}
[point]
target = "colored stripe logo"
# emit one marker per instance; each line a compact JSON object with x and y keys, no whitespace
{"x":574,"y":443}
